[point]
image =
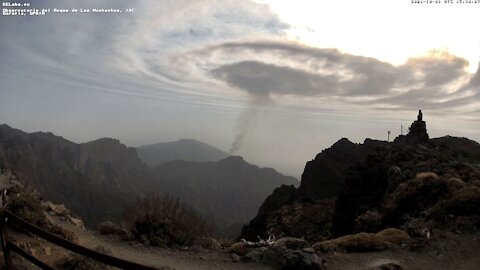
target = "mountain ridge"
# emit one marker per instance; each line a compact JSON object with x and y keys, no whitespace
{"x":98,"y":178}
{"x":182,"y":149}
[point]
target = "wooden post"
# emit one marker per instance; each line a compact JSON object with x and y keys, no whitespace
{"x":3,"y":234}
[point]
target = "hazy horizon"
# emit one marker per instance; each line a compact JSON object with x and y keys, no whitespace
{"x":273,"y":81}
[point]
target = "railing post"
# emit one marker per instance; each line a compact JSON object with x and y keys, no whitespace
{"x":3,"y":234}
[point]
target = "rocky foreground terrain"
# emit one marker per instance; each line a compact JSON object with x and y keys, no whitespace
{"x":411,"y":195}
{"x":408,"y":204}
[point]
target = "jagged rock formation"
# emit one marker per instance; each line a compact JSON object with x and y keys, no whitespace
{"x":408,"y":184}
{"x":417,"y":132}
{"x":323,"y":177}
{"x":184,"y":149}
{"x":96,"y":180}
{"x":412,"y":183}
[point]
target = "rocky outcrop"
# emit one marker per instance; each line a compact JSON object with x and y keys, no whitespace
{"x":380,"y":185}
{"x":324,"y":176}
{"x":286,"y":253}
{"x":417,"y":132}
{"x":409,"y":184}
{"x":322,"y":179}
{"x":259,"y":225}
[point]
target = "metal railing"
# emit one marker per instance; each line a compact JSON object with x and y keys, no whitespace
{"x":7,"y":218}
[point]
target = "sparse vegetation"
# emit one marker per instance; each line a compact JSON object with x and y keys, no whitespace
{"x":364,"y":242}
{"x":28,"y":206}
{"x":163,"y":220}
{"x":369,"y":221}
{"x":465,"y":201}
{"x":415,"y":196}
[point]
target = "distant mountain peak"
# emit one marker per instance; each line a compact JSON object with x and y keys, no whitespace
{"x":189,"y":140}
{"x":236,"y":159}
{"x":183,"y":149}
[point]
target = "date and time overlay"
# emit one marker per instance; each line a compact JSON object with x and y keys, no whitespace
{"x":26,"y":9}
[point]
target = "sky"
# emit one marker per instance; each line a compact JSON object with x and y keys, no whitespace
{"x":274,"y":81}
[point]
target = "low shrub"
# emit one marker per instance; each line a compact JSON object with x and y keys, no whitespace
{"x":28,"y":206}
{"x":369,"y":221}
{"x":164,"y":220}
{"x":418,"y":227}
{"x":207,"y":243}
{"x":415,"y":196}
{"x":425,"y":176}
{"x":463,"y":202}
{"x":364,"y":242}
{"x":394,"y":236}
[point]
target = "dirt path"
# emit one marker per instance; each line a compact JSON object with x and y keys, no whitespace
{"x":451,"y":252}
{"x":156,"y":257}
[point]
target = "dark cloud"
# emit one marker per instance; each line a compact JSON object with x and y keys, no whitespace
{"x":262,"y":79}
{"x":430,"y":81}
{"x":438,"y":69}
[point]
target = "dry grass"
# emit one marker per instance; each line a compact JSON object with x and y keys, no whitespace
{"x":425,"y":176}
{"x":364,"y":242}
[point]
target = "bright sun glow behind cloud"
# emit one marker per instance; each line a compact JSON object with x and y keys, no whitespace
{"x":390,"y":31}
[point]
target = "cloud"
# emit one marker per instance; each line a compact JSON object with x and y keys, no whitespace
{"x":432,"y":81}
{"x":127,"y":53}
{"x":260,"y":79}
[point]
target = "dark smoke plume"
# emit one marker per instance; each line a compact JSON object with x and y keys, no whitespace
{"x":245,"y":121}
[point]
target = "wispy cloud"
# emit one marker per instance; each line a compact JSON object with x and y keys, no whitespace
{"x":127,"y":52}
